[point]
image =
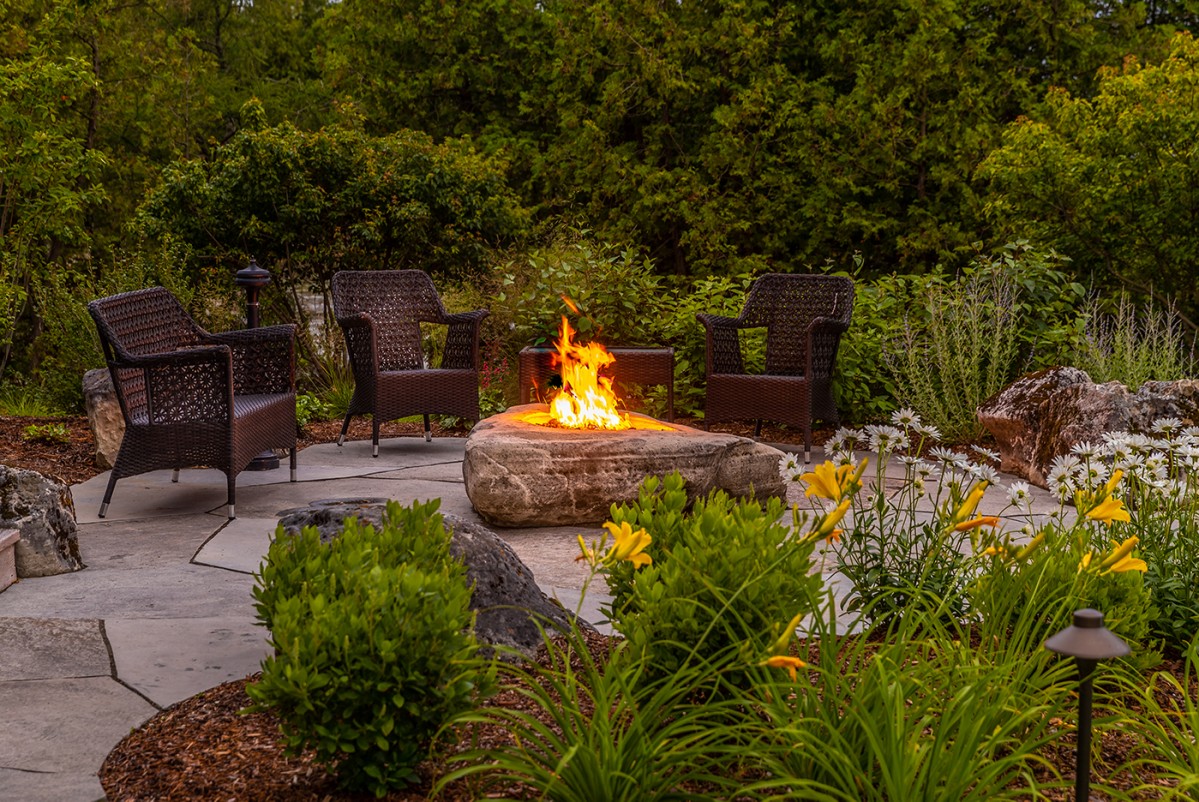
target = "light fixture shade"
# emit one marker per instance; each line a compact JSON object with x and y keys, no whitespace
{"x":1087,"y":639}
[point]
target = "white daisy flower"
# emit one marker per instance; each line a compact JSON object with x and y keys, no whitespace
{"x":948,"y":457}
{"x":905,"y":417}
{"x":983,"y":472}
{"x":986,"y":452}
{"x":886,"y":438}
{"x":1062,"y":467}
{"x":927,"y":431}
{"x":1167,"y":425}
{"x":1084,"y":449}
{"x":1019,"y":494}
{"x":790,"y":467}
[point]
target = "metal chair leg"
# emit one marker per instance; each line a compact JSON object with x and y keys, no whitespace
{"x":293,"y":463}
{"x":428,"y":431}
{"x":345,"y":427}
{"x":375,"y":435}
{"x":112,"y":483}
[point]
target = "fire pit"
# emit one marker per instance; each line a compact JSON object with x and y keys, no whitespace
{"x":567,"y":462}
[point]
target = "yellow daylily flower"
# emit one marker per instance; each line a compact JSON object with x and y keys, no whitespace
{"x":1108,"y":510}
{"x":825,"y":480}
{"x":780,"y":645}
{"x":969,"y":504}
{"x":1031,"y":546}
{"x":995,"y":551}
{"x":829,"y":523}
{"x":586,"y":554}
{"x":1112,"y":482}
{"x":628,"y":545}
{"x":974,"y":523}
{"x":1085,"y":562}
{"x":1120,"y":553}
{"x":1127,"y":564}
{"x":792,"y":664}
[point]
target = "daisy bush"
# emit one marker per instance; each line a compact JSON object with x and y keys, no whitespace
{"x":1123,"y":538}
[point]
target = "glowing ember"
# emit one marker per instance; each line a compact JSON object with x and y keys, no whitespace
{"x":586,"y":400}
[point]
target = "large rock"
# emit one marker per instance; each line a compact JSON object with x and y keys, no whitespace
{"x":42,"y":511}
{"x":506,"y":597}
{"x":1045,"y":414}
{"x":104,"y":416}
{"x":523,"y":474}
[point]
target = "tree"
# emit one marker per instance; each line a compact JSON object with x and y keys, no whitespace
{"x":1113,"y":181}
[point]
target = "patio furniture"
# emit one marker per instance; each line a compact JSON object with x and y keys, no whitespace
{"x":192,"y":398}
{"x":633,"y":365}
{"x":804,"y":317}
{"x":380,"y":313}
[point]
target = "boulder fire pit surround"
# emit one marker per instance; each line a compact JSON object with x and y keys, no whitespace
{"x":520,"y":473}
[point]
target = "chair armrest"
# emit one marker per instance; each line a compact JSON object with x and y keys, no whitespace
{"x":189,"y":384}
{"x":362,"y":343}
{"x":462,"y":340}
{"x":723,"y":344}
{"x":263,"y":358}
{"x":824,"y":335}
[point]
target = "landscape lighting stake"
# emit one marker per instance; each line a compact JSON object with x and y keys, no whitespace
{"x":254,"y":278}
{"x":1088,"y":642}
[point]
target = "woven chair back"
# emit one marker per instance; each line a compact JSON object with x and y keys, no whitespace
{"x":785,"y":304}
{"x":398,"y":301}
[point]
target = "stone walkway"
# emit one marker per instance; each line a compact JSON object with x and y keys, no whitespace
{"x":164,"y":610}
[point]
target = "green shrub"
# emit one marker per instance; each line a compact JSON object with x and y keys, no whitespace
{"x":374,"y":649}
{"x":724,"y":575}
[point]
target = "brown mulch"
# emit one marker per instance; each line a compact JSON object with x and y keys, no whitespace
{"x":203,"y":748}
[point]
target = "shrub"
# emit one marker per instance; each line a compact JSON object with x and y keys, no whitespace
{"x":374,"y":651}
{"x":1135,"y":346}
{"x":310,"y":408}
{"x":724,"y":575}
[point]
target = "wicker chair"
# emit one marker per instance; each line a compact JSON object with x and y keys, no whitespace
{"x":804,"y":317}
{"x":380,"y":313}
{"x":190,"y":397}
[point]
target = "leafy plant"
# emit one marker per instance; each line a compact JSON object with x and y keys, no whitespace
{"x":374,"y":651}
{"x":49,"y":433}
{"x":1168,"y":726}
{"x":310,"y":408}
{"x":724,"y":574}
{"x":920,"y":714}
{"x":1134,"y":345}
{"x":603,"y":730}
{"x":24,"y":401}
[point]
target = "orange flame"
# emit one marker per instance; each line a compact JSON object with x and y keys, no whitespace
{"x":586,"y":400}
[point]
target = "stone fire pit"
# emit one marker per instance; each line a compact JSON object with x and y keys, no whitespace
{"x":523,"y":474}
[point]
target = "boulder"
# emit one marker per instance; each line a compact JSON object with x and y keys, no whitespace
{"x":103,"y":416}
{"x":42,"y":511}
{"x":1045,"y":414}
{"x":520,"y":473}
{"x":508,"y":602}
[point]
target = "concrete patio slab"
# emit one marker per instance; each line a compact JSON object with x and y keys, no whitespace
{"x":239,"y":545}
{"x":52,"y":648}
{"x":170,"y":659}
{"x":50,"y":786}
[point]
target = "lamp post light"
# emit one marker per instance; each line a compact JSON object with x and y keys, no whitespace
{"x":1088,"y":642}
{"x":254,"y":278}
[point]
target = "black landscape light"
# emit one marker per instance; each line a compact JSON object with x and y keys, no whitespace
{"x":1088,"y":642}
{"x":254,"y":278}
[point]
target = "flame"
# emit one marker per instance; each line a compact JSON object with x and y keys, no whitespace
{"x":586,"y":400}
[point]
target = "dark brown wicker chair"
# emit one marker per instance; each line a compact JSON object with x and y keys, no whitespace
{"x":190,"y":397}
{"x":804,"y":317}
{"x":380,"y":313}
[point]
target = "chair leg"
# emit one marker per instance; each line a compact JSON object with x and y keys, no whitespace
{"x":758,"y":428}
{"x":293,"y":463}
{"x":112,"y":483}
{"x":375,"y":435}
{"x":428,"y":431}
{"x":345,"y":427}
{"x":807,"y":442}
{"x":231,"y":479}
{"x":175,"y":476}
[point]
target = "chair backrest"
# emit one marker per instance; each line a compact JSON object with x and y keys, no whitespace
{"x":137,"y":323}
{"x":398,"y":301}
{"x":785,"y":304}
{"x":149,"y":321}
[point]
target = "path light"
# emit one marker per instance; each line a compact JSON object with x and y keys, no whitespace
{"x":254,"y":278}
{"x":1088,"y":642}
